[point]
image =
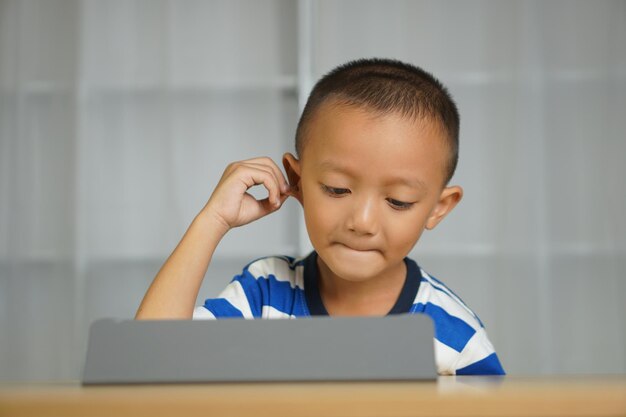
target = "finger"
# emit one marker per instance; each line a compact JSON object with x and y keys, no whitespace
{"x":265,"y":168}
{"x":269,"y":162}
{"x":239,"y":169}
{"x":255,"y":209}
{"x":269,"y":206}
{"x":282,"y":180}
{"x":258,"y":176}
{"x":279,"y":179}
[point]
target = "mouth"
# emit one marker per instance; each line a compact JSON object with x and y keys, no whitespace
{"x":357,"y":248}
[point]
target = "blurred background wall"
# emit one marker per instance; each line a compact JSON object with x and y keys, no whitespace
{"x":117,"y":119}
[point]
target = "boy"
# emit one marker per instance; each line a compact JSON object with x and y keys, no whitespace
{"x":376,"y":146}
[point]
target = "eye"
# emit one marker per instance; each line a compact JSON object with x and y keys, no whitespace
{"x":333,"y":191}
{"x":399,"y":205}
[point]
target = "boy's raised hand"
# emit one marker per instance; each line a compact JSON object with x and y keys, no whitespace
{"x":174,"y":291}
{"x":233,"y":206}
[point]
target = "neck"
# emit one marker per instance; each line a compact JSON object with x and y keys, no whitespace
{"x":374,"y":296}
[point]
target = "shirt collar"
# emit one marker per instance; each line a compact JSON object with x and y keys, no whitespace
{"x":314,"y":299}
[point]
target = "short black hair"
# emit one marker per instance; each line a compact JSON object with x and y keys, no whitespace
{"x":386,"y":86}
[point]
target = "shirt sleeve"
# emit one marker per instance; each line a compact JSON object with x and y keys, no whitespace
{"x":479,"y":357}
{"x":241,"y":298}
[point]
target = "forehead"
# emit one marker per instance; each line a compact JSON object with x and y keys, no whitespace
{"x":357,"y":141}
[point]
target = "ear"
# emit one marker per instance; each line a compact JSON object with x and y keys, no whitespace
{"x":293,"y":168}
{"x":449,"y":198}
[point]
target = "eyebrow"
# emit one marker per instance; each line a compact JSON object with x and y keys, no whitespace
{"x":327,"y":165}
{"x":413,"y":183}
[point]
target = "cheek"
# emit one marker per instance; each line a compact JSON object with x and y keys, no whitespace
{"x":319,"y":221}
{"x":405,"y":232}
{"x":316,"y":215}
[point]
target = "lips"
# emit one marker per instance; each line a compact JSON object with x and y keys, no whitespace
{"x":358,"y":248}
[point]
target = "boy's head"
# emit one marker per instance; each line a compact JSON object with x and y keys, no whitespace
{"x":377,"y":144}
{"x":385,"y":86}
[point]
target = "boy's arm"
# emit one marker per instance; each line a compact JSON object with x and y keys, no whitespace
{"x":173,"y":293}
{"x":174,"y":290}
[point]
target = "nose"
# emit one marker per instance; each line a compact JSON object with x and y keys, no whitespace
{"x":363,"y":219}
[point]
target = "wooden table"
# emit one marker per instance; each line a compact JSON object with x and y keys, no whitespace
{"x":448,"y":396}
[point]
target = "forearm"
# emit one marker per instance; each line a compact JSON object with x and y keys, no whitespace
{"x":173,"y":293}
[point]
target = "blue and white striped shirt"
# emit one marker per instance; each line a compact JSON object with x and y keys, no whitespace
{"x":284,"y":287}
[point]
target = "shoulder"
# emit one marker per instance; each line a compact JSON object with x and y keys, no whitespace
{"x":271,"y":286}
{"x":435,"y":294}
{"x":275,"y":270}
{"x":461,"y":342}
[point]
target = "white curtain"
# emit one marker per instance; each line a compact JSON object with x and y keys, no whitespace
{"x":117,"y":119}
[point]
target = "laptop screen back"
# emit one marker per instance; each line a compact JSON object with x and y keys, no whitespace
{"x":311,"y":349}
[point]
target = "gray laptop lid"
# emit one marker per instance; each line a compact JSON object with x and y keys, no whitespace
{"x":398,"y":347}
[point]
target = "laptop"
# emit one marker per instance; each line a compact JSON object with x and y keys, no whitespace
{"x":398,"y":347}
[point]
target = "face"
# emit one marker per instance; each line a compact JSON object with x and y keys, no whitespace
{"x":369,"y":184}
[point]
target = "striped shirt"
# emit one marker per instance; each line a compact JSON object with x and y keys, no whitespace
{"x":284,"y":287}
